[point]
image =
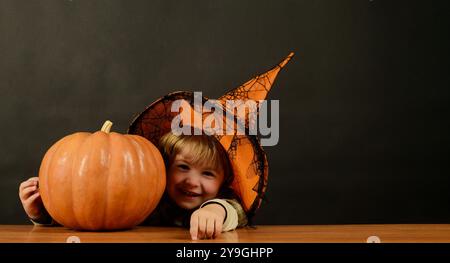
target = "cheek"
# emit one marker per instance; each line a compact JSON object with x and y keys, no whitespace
{"x":211,"y":187}
{"x":173,"y":178}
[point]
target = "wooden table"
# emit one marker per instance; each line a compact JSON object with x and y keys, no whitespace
{"x":272,"y":234}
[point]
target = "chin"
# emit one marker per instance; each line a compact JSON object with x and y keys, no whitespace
{"x":188,"y":206}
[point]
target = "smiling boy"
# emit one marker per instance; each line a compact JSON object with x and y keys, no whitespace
{"x":198,"y":191}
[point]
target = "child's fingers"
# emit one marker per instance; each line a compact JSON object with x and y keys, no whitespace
{"x":201,"y":227}
{"x":33,"y":206}
{"x":194,"y":227}
{"x":29,"y":202}
{"x":26,"y":184}
{"x":209,"y":228}
{"x":25,"y":193}
{"x":34,"y":179}
{"x":217,"y":228}
{"x":34,"y":197}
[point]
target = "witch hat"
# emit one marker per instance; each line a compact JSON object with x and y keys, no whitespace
{"x":248,"y":159}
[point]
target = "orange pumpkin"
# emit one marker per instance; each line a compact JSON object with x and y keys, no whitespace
{"x":101,"y":181}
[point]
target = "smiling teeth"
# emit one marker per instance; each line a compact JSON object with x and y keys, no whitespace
{"x":190,"y":193}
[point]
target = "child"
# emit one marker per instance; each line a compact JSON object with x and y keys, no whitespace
{"x":199,"y":187}
{"x":198,"y":191}
{"x":198,"y":181}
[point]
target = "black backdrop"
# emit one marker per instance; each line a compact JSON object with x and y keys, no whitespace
{"x":364,"y":104}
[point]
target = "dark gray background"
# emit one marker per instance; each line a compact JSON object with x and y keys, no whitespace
{"x":364,"y":104}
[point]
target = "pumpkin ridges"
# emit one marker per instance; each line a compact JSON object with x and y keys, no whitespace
{"x":161,"y":170}
{"x":104,"y":147}
{"x":157,"y":182}
{"x":153,"y":187}
{"x":118,"y":194}
{"x":68,"y":185}
{"x":58,"y":184}
{"x":130,"y":206}
{"x":107,"y":190}
{"x":73,"y":195}
{"x":140,"y":168}
{"x":76,"y":195}
{"x":88,"y":174}
{"x":135,"y":198}
{"x":146,"y":154}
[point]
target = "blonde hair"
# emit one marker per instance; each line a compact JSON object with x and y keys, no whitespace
{"x":205,"y":150}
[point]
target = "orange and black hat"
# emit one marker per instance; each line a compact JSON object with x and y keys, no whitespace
{"x":248,"y":159}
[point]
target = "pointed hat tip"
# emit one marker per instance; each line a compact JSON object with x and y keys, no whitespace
{"x":286,"y":60}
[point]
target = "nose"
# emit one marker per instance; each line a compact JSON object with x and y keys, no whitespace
{"x":192,"y":180}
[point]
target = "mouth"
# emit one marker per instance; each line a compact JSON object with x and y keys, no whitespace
{"x":189,"y":193}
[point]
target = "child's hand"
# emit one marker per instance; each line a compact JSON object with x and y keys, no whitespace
{"x":30,"y":198}
{"x":207,"y":221}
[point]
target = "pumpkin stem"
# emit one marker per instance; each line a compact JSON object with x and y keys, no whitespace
{"x":106,"y":126}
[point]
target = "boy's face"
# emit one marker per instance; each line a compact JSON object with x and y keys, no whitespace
{"x":190,"y":185}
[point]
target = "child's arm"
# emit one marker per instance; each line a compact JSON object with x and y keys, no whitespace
{"x":216,"y":216}
{"x":32,"y":202}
